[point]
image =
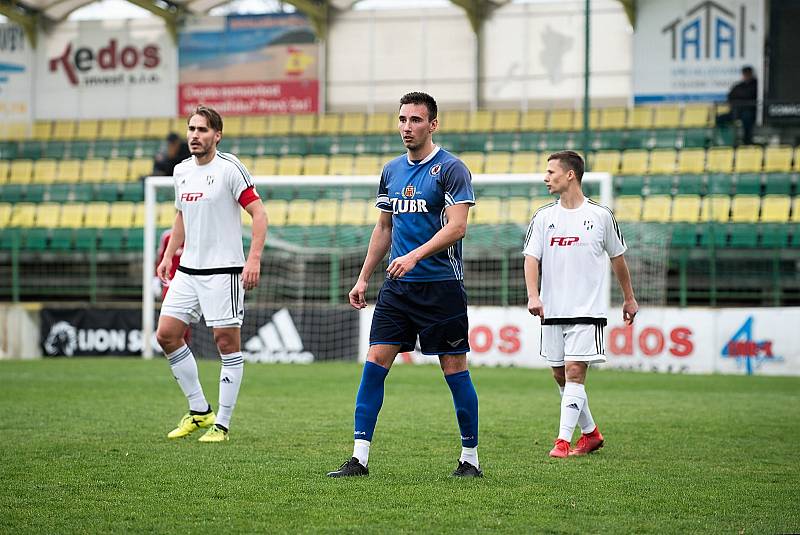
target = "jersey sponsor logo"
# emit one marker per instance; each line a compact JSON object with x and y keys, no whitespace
{"x":563,"y":241}
{"x":409,"y":191}
{"x":409,"y":206}
{"x":191,"y":196}
{"x":435,"y":169}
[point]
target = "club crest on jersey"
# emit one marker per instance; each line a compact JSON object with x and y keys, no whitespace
{"x":409,"y":191}
{"x":435,"y":169}
{"x":209,"y":179}
{"x":588,"y":224}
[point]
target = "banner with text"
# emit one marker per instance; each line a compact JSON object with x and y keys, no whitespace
{"x":249,"y":65}
{"x":106,"y":69}
{"x":16,"y":64}
{"x":693,"y":49}
{"x":95,"y":332}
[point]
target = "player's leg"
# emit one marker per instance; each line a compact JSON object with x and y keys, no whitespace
{"x":583,"y":346}
{"x":585,"y":420}
{"x":465,"y":401}
{"x":551,"y":348}
{"x":180,"y":308}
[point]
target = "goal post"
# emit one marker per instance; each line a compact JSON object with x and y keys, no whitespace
{"x":318,"y":236}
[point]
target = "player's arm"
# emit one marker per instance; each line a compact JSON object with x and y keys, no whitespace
{"x":450,"y":233}
{"x":535,"y":306}
{"x":177,"y":235}
{"x":379,"y":244}
{"x":629,"y":305}
{"x":251,"y":274}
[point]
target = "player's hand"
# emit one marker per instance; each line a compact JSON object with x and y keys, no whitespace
{"x":629,"y":310}
{"x":251,"y":274}
{"x":162,"y":271}
{"x":535,"y":307}
{"x":357,"y":295}
{"x":401,"y":265}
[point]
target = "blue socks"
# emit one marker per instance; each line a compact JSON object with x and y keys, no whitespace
{"x":465,"y":400}
{"x":369,"y":400}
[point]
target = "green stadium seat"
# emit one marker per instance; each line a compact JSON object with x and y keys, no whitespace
{"x":273,"y":145}
{"x":36,"y":239}
{"x":660,"y":184}
{"x":608,"y":140}
{"x":111,"y":239}
{"x":530,"y":141}
{"x":86,"y":239}
{"x":59,"y":192}
{"x":748,"y":184}
{"x":668,"y":138}
{"x":720,"y":184}
{"x":79,"y":149}
{"x":474,"y":142}
{"x":774,"y":236}
{"x":629,"y":185}
{"x":637,"y":139}
{"x":127,"y":148}
{"x":10,"y":238}
{"x":135,"y":239}
{"x":109,"y":191}
{"x":349,"y":145}
{"x":296,"y":145}
{"x":795,"y":237}
{"x":743,"y":236}
{"x":249,"y":146}
{"x":696,"y":138}
{"x":8,"y":151}
{"x":55,"y":150}
{"x":554,"y":141}
{"x":129,"y":192}
{"x":714,"y":235}
{"x":684,"y":236}
{"x":504,"y":142}
{"x":778,"y":184}
{"x":35,"y":192}
{"x":12,"y":193}
{"x":693,"y":184}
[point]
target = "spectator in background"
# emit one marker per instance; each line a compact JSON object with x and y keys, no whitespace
{"x":175,"y":152}
{"x":742,"y":99}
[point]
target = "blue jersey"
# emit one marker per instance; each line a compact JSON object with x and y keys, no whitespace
{"x":417,"y":194}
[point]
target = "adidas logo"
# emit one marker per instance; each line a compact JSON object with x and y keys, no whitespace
{"x":573,"y":406}
{"x":277,"y":341}
{"x":551,"y":227}
{"x":226,"y":380}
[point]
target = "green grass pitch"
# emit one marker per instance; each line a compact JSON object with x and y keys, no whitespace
{"x":84,"y":450}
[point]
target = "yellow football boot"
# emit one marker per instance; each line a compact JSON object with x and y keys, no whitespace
{"x":191,"y":423}
{"x":214,"y":434}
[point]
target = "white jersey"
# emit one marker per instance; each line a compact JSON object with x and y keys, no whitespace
{"x":572,"y":245}
{"x":208,"y":196}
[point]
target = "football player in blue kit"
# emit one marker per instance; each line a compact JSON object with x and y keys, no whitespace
{"x":424,"y":198}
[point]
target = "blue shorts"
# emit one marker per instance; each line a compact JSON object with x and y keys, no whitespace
{"x":436,"y":311}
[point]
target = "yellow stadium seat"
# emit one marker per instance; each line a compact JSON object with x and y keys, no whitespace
{"x":71,"y":215}
{"x":326,"y":212}
{"x":356,"y":212}
{"x":87,"y":130}
{"x":300,"y":212}
{"x":524,"y":162}
{"x":519,"y":210}
{"x":280,"y":125}
{"x":488,"y":211}
{"x":744,"y":208}
{"x":159,"y":127}
{"x":796,"y":210}
{"x":775,"y":208}
{"x":692,"y":161}
{"x":367,"y":164}
{"x":715,"y":208}
{"x":276,"y":211}
{"x":640,"y":117}
{"x":48,"y":214}
{"x":93,"y":170}
{"x":634,"y":162}
{"x":247,"y":162}
{"x":480,"y":121}
{"x":696,"y":116}
{"x":68,"y":171}
{"x":42,"y":130}
{"x":748,"y":159}
{"x":63,"y":130}
{"x":116,"y":170}
{"x":304,"y":124}
{"x":561,"y":120}
{"x":667,"y":116}
{"x":685,"y":209}
{"x":656,"y":208}
{"x":138,"y":215}
{"x":5,"y":165}
{"x":290,"y":165}
{"x":140,"y":167}
{"x":233,"y":125}
{"x":165,"y":214}
{"x":538,"y":202}
{"x":20,"y":172}
{"x":265,"y":166}
{"x":110,"y":129}
{"x":498,"y":162}
{"x":613,"y":118}
{"x":778,"y":159}
{"x":315,"y":164}
{"x":720,"y":160}
{"x":179,"y":125}
{"x":606,"y":162}
{"x":473,"y":161}
{"x":5,"y":213}
{"x":329,"y":124}
{"x":628,"y":207}
{"x":15,"y":131}
{"x":594,"y":119}
{"x":353,"y":123}
{"x":381,"y":123}
{"x":44,"y":171}
{"x":97,"y":214}
{"x":506,"y":121}
{"x":453,"y":121}
{"x":24,"y":215}
{"x":121,"y":215}
{"x":662,"y":161}
{"x":134,"y":129}
{"x":341,"y":164}
{"x":255,"y":126}
{"x":533,"y":121}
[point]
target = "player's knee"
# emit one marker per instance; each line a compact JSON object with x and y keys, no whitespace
{"x":559,"y":375}
{"x":168,"y":340}
{"x":575,"y":372}
{"x":226,"y":342}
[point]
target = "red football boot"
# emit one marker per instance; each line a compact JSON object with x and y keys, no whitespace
{"x":561,"y":449}
{"x":588,"y":443}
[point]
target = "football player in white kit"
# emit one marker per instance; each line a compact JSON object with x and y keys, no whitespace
{"x":213,"y":275}
{"x":570,"y":238}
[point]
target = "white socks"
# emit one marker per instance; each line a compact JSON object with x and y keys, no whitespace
{"x":585,"y":420}
{"x":361,"y":451}
{"x":469,"y":455}
{"x":184,"y":368}
{"x":572,"y":403}
{"x":230,"y":378}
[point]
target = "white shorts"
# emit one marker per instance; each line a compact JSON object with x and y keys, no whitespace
{"x":573,"y":342}
{"x":218,"y":298}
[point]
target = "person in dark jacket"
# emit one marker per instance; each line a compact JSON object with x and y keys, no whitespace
{"x":742,"y":99}
{"x":176,"y":151}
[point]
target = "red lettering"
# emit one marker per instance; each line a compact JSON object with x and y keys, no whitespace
{"x":766,"y":347}
{"x":681,"y":338}
{"x":480,"y":339}
{"x":626,"y":345}
{"x":644,"y":345}
{"x":509,"y":339}
{"x":151,"y":58}
{"x":191,"y":197}
{"x":107,"y":56}
{"x":129,"y":57}
{"x":63,"y":60}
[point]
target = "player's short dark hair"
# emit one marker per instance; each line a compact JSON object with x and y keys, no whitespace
{"x":212,"y":117}
{"x":416,"y":97}
{"x":569,"y":160}
{"x":747,"y":70}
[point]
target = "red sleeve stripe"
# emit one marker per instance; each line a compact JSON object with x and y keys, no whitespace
{"x":249,"y":195}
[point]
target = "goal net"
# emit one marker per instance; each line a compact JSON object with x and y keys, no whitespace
{"x":319,"y":229}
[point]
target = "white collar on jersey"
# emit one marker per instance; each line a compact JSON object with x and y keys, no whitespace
{"x":428,"y":158}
